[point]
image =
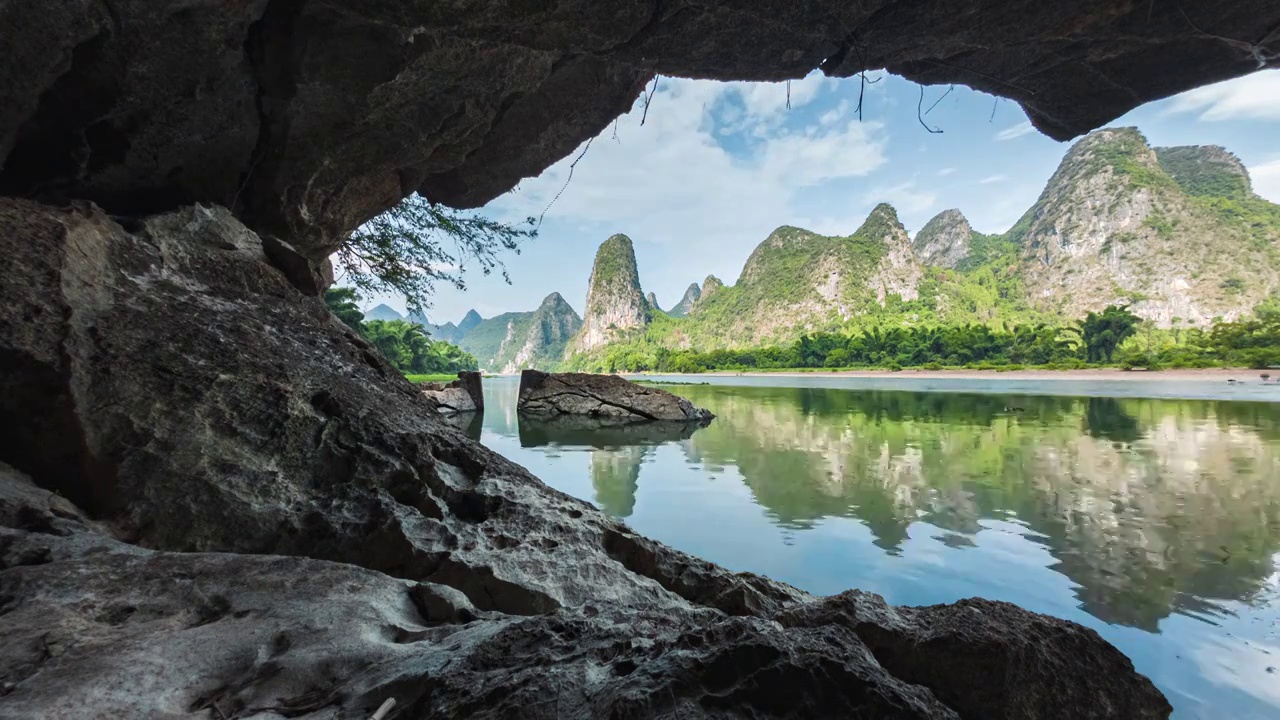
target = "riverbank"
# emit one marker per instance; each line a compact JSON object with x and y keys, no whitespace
{"x":1178,"y":375}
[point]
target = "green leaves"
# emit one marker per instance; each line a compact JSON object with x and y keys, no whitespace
{"x":415,"y":245}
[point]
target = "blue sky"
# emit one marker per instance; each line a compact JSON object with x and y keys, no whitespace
{"x":717,"y":166}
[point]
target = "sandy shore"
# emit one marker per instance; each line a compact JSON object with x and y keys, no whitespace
{"x":1188,"y":375}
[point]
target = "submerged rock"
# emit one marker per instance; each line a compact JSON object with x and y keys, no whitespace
{"x":464,"y":395}
{"x":256,"y":515}
{"x":606,"y":396}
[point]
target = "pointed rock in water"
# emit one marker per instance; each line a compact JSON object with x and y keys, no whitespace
{"x":944,"y":240}
{"x":614,"y":301}
{"x":687,"y":302}
{"x":601,"y":396}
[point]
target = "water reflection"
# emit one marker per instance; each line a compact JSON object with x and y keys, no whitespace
{"x":617,"y":450}
{"x":1157,"y":522}
{"x":470,"y":423}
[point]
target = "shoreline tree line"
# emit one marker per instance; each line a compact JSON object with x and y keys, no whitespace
{"x":1112,"y":337}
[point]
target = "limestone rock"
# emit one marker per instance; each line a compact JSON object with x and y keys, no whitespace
{"x":257,"y":516}
{"x":978,"y":656}
{"x":944,"y":240}
{"x":464,"y":395}
{"x":147,"y":106}
{"x":710,"y":285}
{"x":899,"y":271}
{"x":513,"y":341}
{"x":691,"y":295}
{"x":1113,"y":226}
{"x":609,"y":396}
{"x":615,"y":303}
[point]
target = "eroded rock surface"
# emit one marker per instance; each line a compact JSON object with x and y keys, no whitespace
{"x":548,"y":395}
{"x":464,"y":395}
{"x":256,"y":516}
{"x":307,"y":117}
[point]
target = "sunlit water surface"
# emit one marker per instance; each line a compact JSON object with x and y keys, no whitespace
{"x":1154,"y":521}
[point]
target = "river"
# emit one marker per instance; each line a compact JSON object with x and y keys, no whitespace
{"x":1155,"y":521}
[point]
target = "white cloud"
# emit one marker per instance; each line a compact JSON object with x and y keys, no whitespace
{"x":1266,"y":179}
{"x":1016,"y":131}
{"x":945,"y":172}
{"x":1252,"y":97}
{"x":673,"y":182}
{"x":993,"y":179}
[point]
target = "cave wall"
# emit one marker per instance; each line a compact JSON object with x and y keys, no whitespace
{"x":307,"y":117}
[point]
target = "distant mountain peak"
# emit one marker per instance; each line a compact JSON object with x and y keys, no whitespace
{"x":555,"y":299}
{"x":470,"y":320}
{"x":382,"y":311}
{"x":1206,"y":171}
{"x":944,"y":240}
{"x":710,"y":285}
{"x":883,"y":223}
{"x":614,"y":299}
{"x":691,"y":296}
{"x":653,"y":300}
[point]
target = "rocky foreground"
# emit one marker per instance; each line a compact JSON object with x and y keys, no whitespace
{"x":223,"y":503}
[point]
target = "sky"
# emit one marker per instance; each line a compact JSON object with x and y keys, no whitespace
{"x":715,"y":167}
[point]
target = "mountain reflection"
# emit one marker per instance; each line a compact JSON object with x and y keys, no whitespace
{"x":1149,"y":506}
{"x":617,"y":449}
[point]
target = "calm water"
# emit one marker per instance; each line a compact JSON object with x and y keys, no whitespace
{"x":1154,"y":521}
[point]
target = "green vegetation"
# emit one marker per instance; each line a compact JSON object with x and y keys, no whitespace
{"x":1125,"y":151}
{"x":405,"y":345}
{"x":431,"y":377}
{"x":1206,"y":172}
{"x":416,"y":244}
{"x":1108,"y":338}
{"x":1101,"y":333}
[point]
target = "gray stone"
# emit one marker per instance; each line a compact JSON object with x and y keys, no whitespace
{"x":549,"y":395}
{"x":307,"y":117}
{"x":464,"y":395}
{"x":257,"y":516}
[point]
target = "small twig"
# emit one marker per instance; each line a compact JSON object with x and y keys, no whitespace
{"x":572,"y":165}
{"x":615,"y":130}
{"x":788,"y":94}
{"x":920,"y":117}
{"x":649,"y":99}
{"x":994,"y":102}
{"x":384,"y":709}
{"x":935,"y":102}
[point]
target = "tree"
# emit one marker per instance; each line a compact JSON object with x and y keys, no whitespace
{"x":1101,"y":333}
{"x":416,"y":244}
{"x":405,"y":345}
{"x":343,"y":303}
